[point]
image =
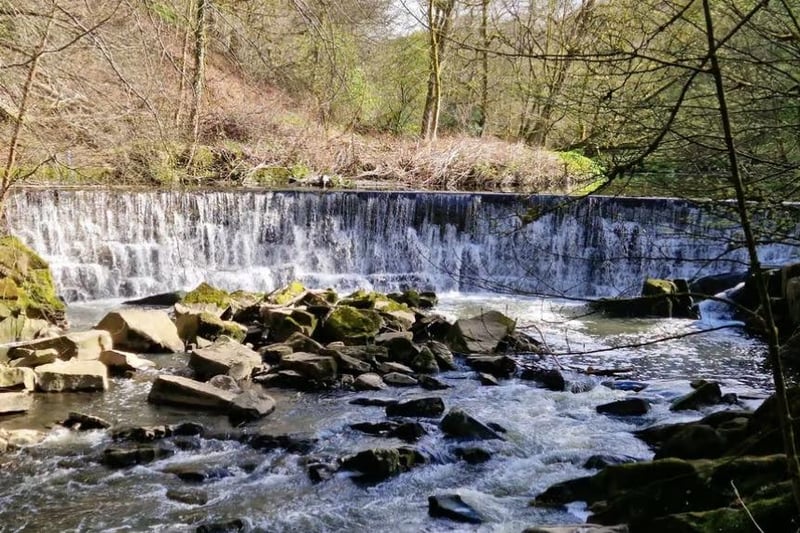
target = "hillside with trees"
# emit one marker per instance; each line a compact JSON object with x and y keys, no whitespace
{"x":455,"y":94}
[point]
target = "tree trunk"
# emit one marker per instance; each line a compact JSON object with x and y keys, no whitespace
{"x":198,"y":81}
{"x":773,"y":342}
{"x":9,"y":171}
{"x":439,"y":19}
{"x":484,"y":66}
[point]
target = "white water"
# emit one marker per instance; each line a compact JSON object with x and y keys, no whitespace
{"x":111,"y":244}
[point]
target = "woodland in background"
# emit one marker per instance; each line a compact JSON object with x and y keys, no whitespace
{"x":516,"y":92}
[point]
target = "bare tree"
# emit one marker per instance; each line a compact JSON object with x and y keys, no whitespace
{"x":440,"y":15}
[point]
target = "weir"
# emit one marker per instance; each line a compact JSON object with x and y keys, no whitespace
{"x":108,"y":243}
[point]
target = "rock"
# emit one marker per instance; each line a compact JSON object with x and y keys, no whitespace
{"x":487,"y":380}
{"x":425,"y":362}
{"x":347,"y":381}
{"x":319,"y":472}
{"x":273,"y":353}
{"x":444,"y":357}
{"x":660,"y":298}
{"x":389,"y":336}
{"x":431,"y":383}
{"x":717,"y":283}
{"x":287,"y":294}
{"x":378,"y":464}
{"x":705,"y":394}
{"x":231,"y":526}
{"x":373,"y":402}
{"x":205,"y":294}
{"x":431,"y":328}
{"x":351,"y":325}
{"x":396,"y":379}
{"x":84,"y":422}
{"x":627,"y":407}
{"x":187,"y":496}
{"x":473,"y":455}
{"x":283,"y":323}
{"x":407,"y":431}
{"x":625,"y":385}
{"x":22,"y":328}
{"x":124,"y":457}
{"x":82,"y":345}
{"x":301,"y":343}
{"x":500,"y":366}
{"x":400,"y":347}
{"x":427,"y":407}
{"x":287,"y":379}
{"x":549,"y":378}
{"x":121,"y":362}
{"x":459,"y":424}
{"x":452,"y":507}
{"x":224,"y":357}
{"x":250,"y":405}
{"x":694,"y":441}
{"x":412,"y":298}
{"x":297,"y":444}
{"x":142,"y":434}
{"x":26,"y":286}
{"x":73,"y":375}
{"x":600,"y":461}
{"x":15,"y":402}
{"x":140,"y":330}
{"x":164,"y":299}
{"x":193,"y":473}
{"x":521,"y":343}
{"x":369,"y":381}
{"x":319,"y":368}
{"x":351,"y":365}
{"x":391,"y":366}
{"x":365,"y":352}
{"x":17,"y":378}
{"x":191,"y":324}
{"x":25,"y":357}
{"x":185,"y":392}
{"x":226,"y":383}
{"x":480,"y":334}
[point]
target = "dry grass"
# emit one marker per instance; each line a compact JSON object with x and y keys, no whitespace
{"x":108,"y":112}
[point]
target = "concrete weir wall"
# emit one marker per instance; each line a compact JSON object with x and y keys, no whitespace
{"x":107,"y":243}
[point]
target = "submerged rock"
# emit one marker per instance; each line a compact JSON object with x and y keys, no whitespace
{"x":459,"y":424}
{"x":705,"y":394}
{"x":429,"y":407}
{"x":379,"y":464}
{"x":124,"y":457}
{"x":140,"y":330}
{"x":627,"y":407}
{"x":453,"y":507}
{"x":84,"y":422}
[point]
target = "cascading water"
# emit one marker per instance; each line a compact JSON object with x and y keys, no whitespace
{"x":110,"y":243}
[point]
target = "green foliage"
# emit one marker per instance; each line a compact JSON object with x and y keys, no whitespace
{"x":165,"y":12}
{"x":577,"y":164}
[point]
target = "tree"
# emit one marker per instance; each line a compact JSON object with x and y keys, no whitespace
{"x":440,"y":15}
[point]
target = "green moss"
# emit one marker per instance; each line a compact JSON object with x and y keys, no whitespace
{"x":212,"y":327}
{"x":286,"y":294}
{"x":207,"y":294}
{"x":27,"y":284}
{"x":577,"y":164}
{"x":351,"y":325}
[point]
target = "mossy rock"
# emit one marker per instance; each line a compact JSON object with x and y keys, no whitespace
{"x":351,"y":325}
{"x":212,"y":327}
{"x":285,"y":295}
{"x":26,"y":284}
{"x":207,"y":294}
{"x":362,"y":299}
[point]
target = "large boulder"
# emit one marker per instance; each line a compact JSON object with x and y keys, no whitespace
{"x":287,"y":294}
{"x":351,"y":325}
{"x":251,"y":404}
{"x":284,"y":323}
{"x":500,"y":366}
{"x":206,"y":294}
{"x":321,"y":369}
{"x":185,"y":392}
{"x":191,"y":324}
{"x":120,"y":362}
{"x":73,"y":375}
{"x":140,"y":330}
{"x":224,"y":357}
{"x":480,"y":334}
{"x":26,"y":285}
{"x":660,"y":298}
{"x":81,"y":345}
{"x":706,"y":393}
{"x":25,"y":357}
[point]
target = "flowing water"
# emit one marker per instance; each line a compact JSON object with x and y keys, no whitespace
{"x":111,"y":245}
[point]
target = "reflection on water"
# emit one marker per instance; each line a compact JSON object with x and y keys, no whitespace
{"x":60,"y":486}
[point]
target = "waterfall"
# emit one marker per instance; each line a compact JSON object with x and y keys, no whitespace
{"x":112,"y":243}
